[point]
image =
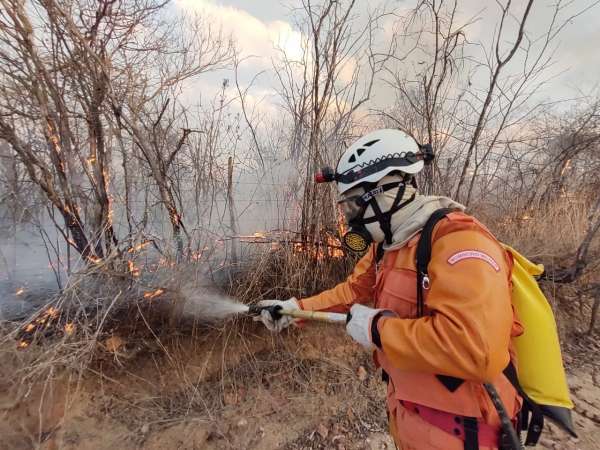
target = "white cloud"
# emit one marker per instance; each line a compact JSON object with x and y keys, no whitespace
{"x":252,"y":35}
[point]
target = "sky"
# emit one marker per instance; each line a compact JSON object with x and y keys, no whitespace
{"x":258,"y":26}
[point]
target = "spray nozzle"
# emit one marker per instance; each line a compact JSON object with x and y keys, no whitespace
{"x":274,"y":310}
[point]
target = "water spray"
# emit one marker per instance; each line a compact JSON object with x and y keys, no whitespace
{"x":207,"y":304}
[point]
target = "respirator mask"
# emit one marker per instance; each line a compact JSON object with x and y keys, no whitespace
{"x":367,"y":174}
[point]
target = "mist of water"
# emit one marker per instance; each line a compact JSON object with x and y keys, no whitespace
{"x":205,"y":304}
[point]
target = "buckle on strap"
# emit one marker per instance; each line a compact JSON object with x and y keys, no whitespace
{"x":425,"y":282}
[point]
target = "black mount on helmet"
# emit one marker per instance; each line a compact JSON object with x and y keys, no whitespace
{"x":428,"y":154}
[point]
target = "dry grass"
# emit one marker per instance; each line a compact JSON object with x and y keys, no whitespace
{"x":107,"y":314}
{"x":289,"y":272}
{"x":551,"y":235}
{"x":155,"y":369}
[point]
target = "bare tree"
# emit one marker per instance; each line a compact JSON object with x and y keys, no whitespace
{"x":429,"y":96}
{"x":323,"y":91}
{"x":472,"y":106}
{"x":58,"y":132}
{"x":88,"y":69}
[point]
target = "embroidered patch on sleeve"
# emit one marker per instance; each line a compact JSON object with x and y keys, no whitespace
{"x":473,"y":254}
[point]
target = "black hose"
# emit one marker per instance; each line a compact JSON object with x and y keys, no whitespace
{"x":506,"y":424}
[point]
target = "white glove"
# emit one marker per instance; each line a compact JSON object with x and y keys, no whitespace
{"x":359,"y":326}
{"x":276,"y":325}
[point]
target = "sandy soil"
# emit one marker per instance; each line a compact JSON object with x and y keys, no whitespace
{"x":244,"y":389}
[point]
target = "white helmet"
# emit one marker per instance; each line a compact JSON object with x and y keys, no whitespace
{"x":377,"y":154}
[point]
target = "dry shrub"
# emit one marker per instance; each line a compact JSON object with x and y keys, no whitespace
{"x":290,"y":271}
{"x":549,"y":233}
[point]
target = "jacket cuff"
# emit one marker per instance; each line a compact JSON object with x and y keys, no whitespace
{"x":375,"y":337}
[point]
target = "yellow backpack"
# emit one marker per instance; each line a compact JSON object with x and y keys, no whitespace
{"x":541,"y":374}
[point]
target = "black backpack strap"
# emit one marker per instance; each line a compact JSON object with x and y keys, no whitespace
{"x":531,"y":417}
{"x":379,"y":252}
{"x":424,"y":256}
{"x":471,"y":427}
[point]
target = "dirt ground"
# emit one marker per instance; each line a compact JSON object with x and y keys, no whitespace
{"x":238,"y":389}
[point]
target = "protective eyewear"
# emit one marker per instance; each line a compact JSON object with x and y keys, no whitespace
{"x":354,"y":206}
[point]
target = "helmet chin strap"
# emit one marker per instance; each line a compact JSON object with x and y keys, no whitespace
{"x":385,"y":218}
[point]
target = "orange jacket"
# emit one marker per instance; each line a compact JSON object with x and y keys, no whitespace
{"x":467,"y":327}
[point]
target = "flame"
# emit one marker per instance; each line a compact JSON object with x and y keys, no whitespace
{"x":334,"y":247}
{"x":52,"y":312}
{"x":153,"y":294}
{"x":91,"y":160}
{"x":23,"y":344}
{"x":330,"y":248}
{"x":94,"y":259}
{"x":45,"y":319}
{"x":342,"y":226}
{"x":53,"y":136}
{"x":20,"y":291}
{"x":196,"y":255}
{"x":134,"y":271}
{"x":164,"y":262}
{"x":69,"y":328}
{"x":138,"y":247}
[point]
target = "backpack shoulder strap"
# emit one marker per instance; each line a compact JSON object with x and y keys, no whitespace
{"x":424,"y":255}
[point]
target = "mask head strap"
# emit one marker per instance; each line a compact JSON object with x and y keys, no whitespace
{"x":384,"y":218}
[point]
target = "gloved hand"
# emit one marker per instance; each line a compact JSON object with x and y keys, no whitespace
{"x":359,"y":326}
{"x":281,"y":323}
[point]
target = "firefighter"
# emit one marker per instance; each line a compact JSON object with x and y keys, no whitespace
{"x":436,"y":354}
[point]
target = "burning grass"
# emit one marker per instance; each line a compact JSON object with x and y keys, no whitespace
{"x":291,"y":269}
{"x":112,"y":327}
{"x":115,"y":304}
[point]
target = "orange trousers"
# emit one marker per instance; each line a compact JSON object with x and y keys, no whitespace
{"x":410,"y":432}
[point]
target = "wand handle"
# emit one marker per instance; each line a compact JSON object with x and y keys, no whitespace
{"x":320,"y":316}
